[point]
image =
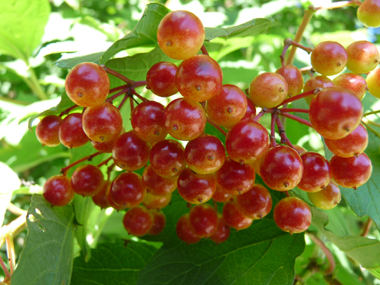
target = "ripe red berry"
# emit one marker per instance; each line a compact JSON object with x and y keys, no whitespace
{"x":328,"y":58}
{"x":293,"y":77}
{"x":222,"y":231}
{"x":138,"y":221}
{"x":87,"y":180}
{"x":203,"y":220}
{"x":234,"y":217}
{"x":159,"y":221}
{"x":185,"y":232}
{"x":71,"y":132}
{"x":292,"y":215}
{"x":57,"y":190}
{"x":161,"y":79}
{"x":47,"y":130}
{"x":87,"y":84}
{"x":256,"y":203}
{"x":127,"y":190}
{"x":180,"y":34}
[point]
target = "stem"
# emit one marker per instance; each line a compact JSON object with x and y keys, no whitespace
{"x":295,"y":118}
{"x":89,"y":158}
{"x":14,"y":228}
{"x":104,"y":162}
{"x":281,"y":130}
{"x":217,"y":127}
{"x":15,"y":210}
{"x":67,"y":110}
{"x":117,"y":74}
{"x":121,"y":87}
{"x":138,"y":84}
{"x":273,"y":130}
{"x":11,"y":252}
{"x":289,"y":42}
{"x":340,"y":4}
{"x":139,"y":96}
{"x":301,"y":29}
{"x":327,"y":252}
{"x":37,"y":89}
{"x":204,"y":50}
{"x":7,"y":274}
{"x":286,"y":193}
{"x":373,"y":123}
{"x":294,"y":110}
{"x":258,"y":116}
{"x":371,"y":113}
{"x":126,"y":96}
{"x":367,"y":227}
{"x":299,"y":96}
{"x":113,"y":97}
{"x":371,"y":129}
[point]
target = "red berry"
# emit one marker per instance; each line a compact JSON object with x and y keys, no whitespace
{"x":185,"y":232}
{"x":57,"y":190}
{"x":256,"y":203}
{"x":138,"y":221}
{"x":47,"y":130}
{"x":203,"y":220}
{"x":87,"y":180}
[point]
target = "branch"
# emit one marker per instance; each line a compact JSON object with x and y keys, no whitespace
{"x":327,"y":252}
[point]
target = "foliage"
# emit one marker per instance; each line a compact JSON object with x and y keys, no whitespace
{"x":82,"y":244}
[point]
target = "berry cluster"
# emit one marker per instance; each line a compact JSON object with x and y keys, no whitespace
{"x":207,"y":168}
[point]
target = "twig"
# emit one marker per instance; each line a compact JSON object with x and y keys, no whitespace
{"x":204,"y":50}
{"x":367,"y":227}
{"x":327,"y":252}
{"x":89,"y":158}
{"x":295,"y":118}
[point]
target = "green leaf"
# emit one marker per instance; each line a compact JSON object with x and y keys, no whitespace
{"x":364,"y":250}
{"x":47,"y":257}
{"x":247,"y":29}
{"x":144,"y":34}
{"x":73,"y":61}
{"x":245,"y":258}
{"x":112,"y":263}
{"x":137,"y":66}
{"x":22,"y":25}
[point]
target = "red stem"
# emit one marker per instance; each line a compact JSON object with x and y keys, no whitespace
{"x":113,"y":97}
{"x":299,"y":96}
{"x":327,"y":252}
{"x":258,"y":116}
{"x":217,"y":127}
{"x":293,"y":110}
{"x":121,"y":87}
{"x":126,"y":96}
{"x":117,"y":74}
{"x":295,"y":118}
{"x":132,"y":106}
{"x":139,"y":96}
{"x":67,"y":110}
{"x":273,"y":130}
{"x":367,"y":227}
{"x":138,"y":84}
{"x":281,"y":130}
{"x":7,"y":274}
{"x":289,"y":42}
{"x":89,"y":158}
{"x":204,"y":50}
{"x":104,"y":162}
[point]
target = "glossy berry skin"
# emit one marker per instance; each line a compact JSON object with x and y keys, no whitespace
{"x":127,"y":190}
{"x":268,"y":90}
{"x":353,"y":82}
{"x":156,"y":202}
{"x":328,"y":198}
{"x":315,"y":82}
{"x":221,"y":195}
{"x":222,"y":231}
{"x":47,"y":130}
{"x":185,"y":120}
{"x":235,"y":178}
{"x":353,"y":144}
{"x":57,"y":190}
{"x":363,"y":56}
{"x":351,"y":172}
{"x":292,"y":215}
{"x":100,"y":198}
{"x":205,"y":154}
{"x":167,"y":158}
{"x":180,"y":34}
{"x":87,"y":84}
{"x":87,"y":180}
{"x":196,"y":188}
{"x":250,"y":114}
{"x":281,"y":168}
{"x":129,"y":152}
{"x":329,"y":58}
{"x":373,"y":82}
{"x":234,"y":217}
{"x":203,"y":220}
{"x":293,"y":77}
{"x":368,"y":13}
{"x":102,"y":123}
{"x":316,"y":172}
{"x":256,"y":203}
{"x":110,"y":201}
{"x":148,"y":122}
{"x":156,"y":184}
{"x":159,"y":222}
{"x":335,"y":112}
{"x":227,"y":107}
{"x":71,"y":132}
{"x":138,"y":221}
{"x":247,"y":141}
{"x":104,"y":147}
{"x":161,"y":79}
{"x":185,"y":232}
{"x":199,"y":78}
